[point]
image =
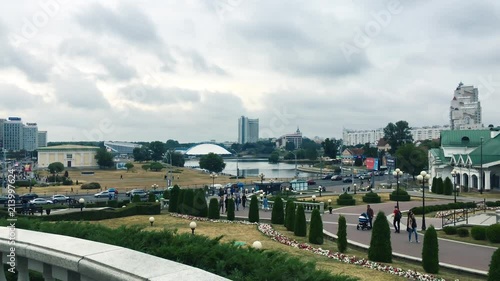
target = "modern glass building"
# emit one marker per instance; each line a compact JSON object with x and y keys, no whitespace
{"x":248,"y":130}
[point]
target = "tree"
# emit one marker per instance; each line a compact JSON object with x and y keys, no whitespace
{"x":430,"y":251}
{"x":212,"y":162}
{"x":200,"y":208}
{"x":174,"y":199}
{"x":311,"y":153}
{"x":253,"y":212}
{"x":274,"y":157}
{"x":316,"y":228}
{"x":494,"y":270}
{"x":156,"y":166}
{"x":342,"y":235}
{"x":189,"y":202}
{"x":141,"y":154}
{"x":358,"y":162}
{"x":397,"y":134}
{"x":171,"y":144}
{"x":230,"y":209}
{"x":181,"y":207}
{"x":289,"y":146}
{"x":411,"y":159}
{"x":136,"y":198}
{"x":55,"y":167}
{"x":300,"y":228}
{"x":330,"y":148}
{"x":277,"y":214}
{"x":434,"y":185}
{"x":177,"y":159}
{"x":129,"y":166}
{"x":157,"y":150}
{"x":428,"y":144}
{"x":290,"y":215}
{"x":104,"y":158}
{"x":380,"y":245}
{"x":213,"y":209}
{"x":447,"y":186}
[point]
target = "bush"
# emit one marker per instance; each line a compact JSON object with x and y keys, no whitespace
{"x":316,"y":228}
{"x":278,"y":215}
{"x":434,"y":185}
{"x":112,"y":203}
{"x":174,"y":199}
{"x":25,"y":183}
{"x":430,"y":251}
{"x":380,"y":245}
{"x":136,"y":199}
{"x":230,"y":209}
{"x":346,"y":199}
{"x":400,"y":195}
{"x":96,"y":215}
{"x":447,"y":186}
{"x":494,"y":270}
{"x":200,"y":204}
{"x":439,"y":186}
{"x":342,"y":235}
{"x":213,"y":209}
{"x":463,"y":232}
{"x":371,"y":197}
{"x":300,"y":228}
{"x":450,"y":230}
{"x":253,"y":212}
{"x":188,"y":202}
{"x":91,"y":185}
{"x":180,"y":201}
{"x":166,"y":194}
{"x":290,"y":215}
{"x":478,"y":232}
{"x":151,"y":197}
{"x":67,"y":181}
{"x":493,"y":233}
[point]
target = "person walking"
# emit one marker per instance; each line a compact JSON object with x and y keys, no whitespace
{"x":369,"y":212}
{"x":411,"y":226}
{"x":221,"y":204}
{"x":243,"y":200}
{"x":265,"y":204}
{"x":397,"y":219}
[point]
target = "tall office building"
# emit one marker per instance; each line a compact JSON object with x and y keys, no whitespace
{"x":248,"y":130}
{"x":13,"y":134}
{"x":465,"y":109}
{"x":30,"y":137}
{"x":42,"y":138}
{"x":2,"y":121}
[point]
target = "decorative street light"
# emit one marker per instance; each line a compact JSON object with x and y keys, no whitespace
{"x":454,"y":174}
{"x":82,"y":202}
{"x":320,"y":188}
{"x":213,"y":176}
{"x":397,"y":173}
{"x":261,"y":176}
{"x":154,"y":186}
{"x":192,"y":225}
{"x":423,"y":177}
{"x":257,"y":245}
{"x":481,"y":169}
{"x":354,"y":185}
{"x":151,"y":220}
{"x":313,"y":198}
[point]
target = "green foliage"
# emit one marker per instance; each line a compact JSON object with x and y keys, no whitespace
{"x":166,"y":194}
{"x":156,"y":166}
{"x":342,"y":235}
{"x":300,"y":228}
{"x":493,"y":233}
{"x":145,"y":167}
{"x":397,"y":134}
{"x":26,"y":183}
{"x":129,"y":166}
{"x":444,"y":207}
{"x":253,"y":212}
{"x":439,"y":186}
{"x":447,"y":187}
{"x":55,"y":167}
{"x":213,"y":209}
{"x":177,"y":159}
{"x":372,"y":197}
{"x":141,"y":154}
{"x":174,"y":199}
{"x":316,"y":228}
{"x":112,"y":203}
{"x":157,"y":149}
{"x":380,"y":245}
{"x":212,"y":163}
{"x":346,"y":199}
{"x":136,"y":198}
{"x":494,"y":270}
{"x":290,"y":215}
{"x":400,"y":195}
{"x":200,"y":204}
{"x":278,"y":215}
{"x":450,"y":230}
{"x":478,"y":232}
{"x":411,"y":159}
{"x":330,"y":147}
{"x":463,"y":232}
{"x":104,"y":158}
{"x":180,"y":202}
{"x":434,"y":185}
{"x":151,"y":197}
{"x":430,"y":251}
{"x":67,"y":181}
{"x":274,"y":157}
{"x":230,"y":209}
{"x":188,"y":201}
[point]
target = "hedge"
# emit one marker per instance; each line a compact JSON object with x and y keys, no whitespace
{"x":493,"y":233}
{"x":463,"y":232}
{"x":346,"y":199}
{"x":91,"y":185}
{"x":371,"y":197}
{"x":450,"y":230}
{"x":449,"y":206}
{"x":478,"y":232}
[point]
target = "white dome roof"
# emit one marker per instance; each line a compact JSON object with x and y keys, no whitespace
{"x":206,"y":148}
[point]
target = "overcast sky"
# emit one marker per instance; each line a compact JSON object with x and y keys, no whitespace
{"x":187,"y":70}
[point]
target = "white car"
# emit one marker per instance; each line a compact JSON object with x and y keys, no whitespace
{"x":59,"y":198}
{"x":104,"y":194}
{"x":40,"y":201}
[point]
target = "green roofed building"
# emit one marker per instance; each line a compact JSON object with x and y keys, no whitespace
{"x":468,"y":152}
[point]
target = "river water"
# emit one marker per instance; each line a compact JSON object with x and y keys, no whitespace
{"x":254,"y":167}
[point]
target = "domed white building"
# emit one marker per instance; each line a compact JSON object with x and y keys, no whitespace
{"x":206,"y":148}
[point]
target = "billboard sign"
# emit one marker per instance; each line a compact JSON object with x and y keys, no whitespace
{"x":371,"y":163}
{"x":391,"y":163}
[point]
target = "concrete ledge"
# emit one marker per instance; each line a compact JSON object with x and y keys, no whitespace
{"x":94,"y":260}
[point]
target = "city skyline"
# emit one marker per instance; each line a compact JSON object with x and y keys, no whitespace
{"x":92,"y":71}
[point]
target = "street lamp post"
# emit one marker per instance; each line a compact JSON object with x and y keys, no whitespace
{"x":423,"y":177}
{"x":354,"y":185}
{"x":397,"y":173}
{"x":481,"y":169}
{"x":454,"y":175}
{"x":262,"y":176}
{"x":192,"y":225}
{"x":319,"y":189}
{"x":213,"y":176}
{"x":82,"y":202}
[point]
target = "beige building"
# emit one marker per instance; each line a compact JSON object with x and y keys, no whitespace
{"x":76,"y":156}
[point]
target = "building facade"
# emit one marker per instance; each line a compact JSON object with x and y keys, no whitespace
{"x":465,"y":109}
{"x":2,"y":121}
{"x":248,"y":130}
{"x":72,"y":156}
{"x":353,"y":137}
{"x":295,"y":138}
{"x":30,"y":137}
{"x":13,"y":134}
{"x":42,"y":138}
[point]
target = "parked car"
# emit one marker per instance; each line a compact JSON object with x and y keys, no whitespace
{"x":347,"y":180}
{"x":104,"y":194}
{"x":336,"y":177}
{"x":140,"y":192}
{"x":40,"y":201}
{"x":5,"y":198}
{"x":59,"y":198}
{"x":128,"y":193}
{"x":327,"y":177}
{"x":311,"y":182}
{"x":28,"y":196}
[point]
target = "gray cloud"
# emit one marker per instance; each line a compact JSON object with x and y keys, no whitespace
{"x":16,"y":99}
{"x":79,"y":93}
{"x":144,"y":94}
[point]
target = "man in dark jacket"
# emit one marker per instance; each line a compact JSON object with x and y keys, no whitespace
{"x":369,"y":212}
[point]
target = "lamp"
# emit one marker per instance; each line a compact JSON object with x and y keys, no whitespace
{"x":319,"y":189}
{"x":213,"y":176}
{"x":454,"y":174}
{"x":82,"y":202}
{"x":313,"y":198}
{"x":151,"y":220}
{"x":423,"y":177}
{"x":257,"y":245}
{"x":397,"y":173}
{"x":154,"y":186}
{"x":192,"y":225}
{"x":354,"y":188}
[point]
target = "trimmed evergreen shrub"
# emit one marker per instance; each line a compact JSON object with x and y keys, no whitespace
{"x":346,"y":199}
{"x":200,"y":207}
{"x":493,"y":233}
{"x":316,"y":228}
{"x":112,"y":203}
{"x":430,"y":251}
{"x":278,"y":215}
{"x":142,"y":208}
{"x":173,"y":203}
{"x":180,"y":202}
{"x":91,"y":185}
{"x":300,"y":228}
{"x":166,"y":194}
{"x":151,"y":197}
{"x":400,"y":195}
{"x":188,"y":202}
{"x":439,"y":186}
{"x":213,"y":209}
{"x":371,"y":197}
{"x":463,"y":232}
{"x":478,"y":232}
{"x":450,"y":230}
{"x":290,"y":215}
{"x":494,"y":270}
{"x":342,"y":235}
{"x":136,"y":198}
{"x":434,"y":186}
{"x":253,"y":212}
{"x":447,"y":186}
{"x":230,"y":209}
{"x":380,"y":245}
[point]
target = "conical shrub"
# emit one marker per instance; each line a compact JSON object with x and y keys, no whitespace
{"x":300,"y":228}
{"x":342,"y":235}
{"x":430,"y":251}
{"x":253,"y":211}
{"x":290,"y":215}
{"x":494,"y":271}
{"x":316,"y":228}
{"x":380,"y":245}
{"x":230,"y":209}
{"x":173,"y":203}
{"x":213,"y":209}
{"x":278,"y":215}
{"x":200,"y":207}
{"x":448,"y":186}
{"x":180,"y":201}
{"x":188,"y":202}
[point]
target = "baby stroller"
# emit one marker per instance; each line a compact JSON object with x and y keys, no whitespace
{"x":363,"y":222}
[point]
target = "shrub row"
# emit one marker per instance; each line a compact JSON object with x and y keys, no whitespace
{"x":493,"y":204}
{"x":96,"y":215}
{"x":492,"y":232}
{"x":346,"y":199}
{"x":450,"y":206}
{"x":400,"y":195}
{"x":91,"y":185}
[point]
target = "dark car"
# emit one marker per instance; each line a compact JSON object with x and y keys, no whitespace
{"x":336,"y":177}
{"x":311,"y":182}
{"x":347,"y":180}
{"x":327,"y":177}
{"x":141,"y":193}
{"x":28,"y":196}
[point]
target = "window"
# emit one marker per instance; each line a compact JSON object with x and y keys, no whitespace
{"x":69,"y":156}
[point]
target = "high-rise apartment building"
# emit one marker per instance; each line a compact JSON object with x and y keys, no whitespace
{"x":30,"y":137}
{"x":1,"y":131}
{"x":465,"y":109}
{"x":42,"y":138}
{"x":13,"y":134}
{"x":248,"y":130}
{"x":352,"y":137}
